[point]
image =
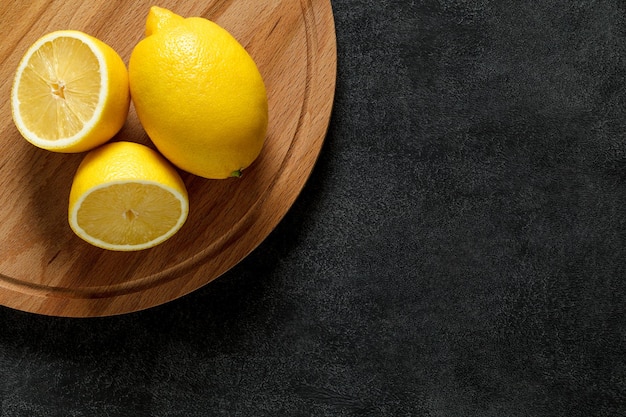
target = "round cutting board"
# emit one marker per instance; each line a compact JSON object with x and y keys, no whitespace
{"x":46,"y":269}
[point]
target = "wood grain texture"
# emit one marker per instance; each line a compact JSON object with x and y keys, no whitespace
{"x":46,"y":269}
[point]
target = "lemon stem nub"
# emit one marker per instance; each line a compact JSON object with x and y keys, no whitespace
{"x":236,"y":174}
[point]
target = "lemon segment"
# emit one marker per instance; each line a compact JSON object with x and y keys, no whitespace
{"x":70,"y":92}
{"x":126,"y":197}
{"x":198,"y":94}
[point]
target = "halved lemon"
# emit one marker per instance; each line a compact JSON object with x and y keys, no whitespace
{"x":126,"y":197}
{"x":70,"y":92}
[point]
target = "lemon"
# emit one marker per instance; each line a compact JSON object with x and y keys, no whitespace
{"x":70,"y":92}
{"x":125,"y":197}
{"x":198,"y":94}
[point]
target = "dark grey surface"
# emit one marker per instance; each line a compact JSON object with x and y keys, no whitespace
{"x":459,"y":249}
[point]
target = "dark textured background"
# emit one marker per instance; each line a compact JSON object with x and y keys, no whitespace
{"x":459,"y":249}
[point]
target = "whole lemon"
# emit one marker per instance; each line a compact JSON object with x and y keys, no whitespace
{"x":198,"y":94}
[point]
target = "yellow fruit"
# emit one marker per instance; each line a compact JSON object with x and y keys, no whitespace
{"x":126,"y":197}
{"x":198,"y":94}
{"x":70,"y":92}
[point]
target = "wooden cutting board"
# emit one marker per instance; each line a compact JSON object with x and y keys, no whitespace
{"x":46,"y":269}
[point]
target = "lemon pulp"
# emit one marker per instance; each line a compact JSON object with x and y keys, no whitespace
{"x":60,"y":87}
{"x":129,"y":213}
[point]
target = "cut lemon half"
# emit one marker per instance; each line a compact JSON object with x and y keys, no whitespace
{"x":70,"y":92}
{"x":126,"y":197}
